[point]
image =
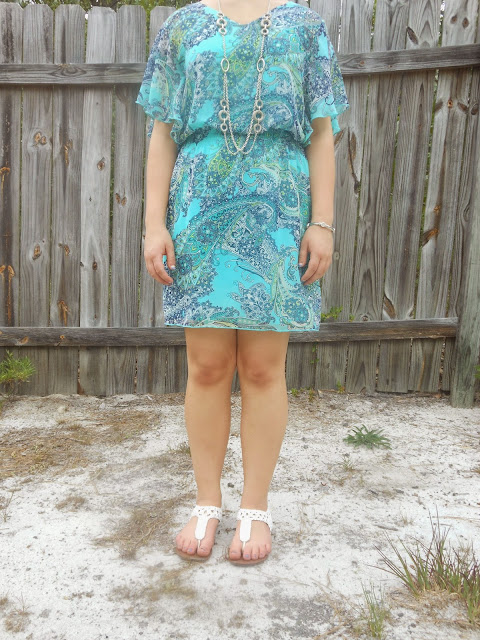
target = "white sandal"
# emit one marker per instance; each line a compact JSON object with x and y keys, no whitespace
{"x":246,"y":516}
{"x":203,"y":514}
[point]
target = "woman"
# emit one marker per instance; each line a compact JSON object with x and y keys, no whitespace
{"x":239,"y":213}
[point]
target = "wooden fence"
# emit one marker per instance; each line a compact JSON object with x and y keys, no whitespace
{"x":76,"y":297}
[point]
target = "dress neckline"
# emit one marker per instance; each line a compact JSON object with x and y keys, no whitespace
{"x":245,"y":24}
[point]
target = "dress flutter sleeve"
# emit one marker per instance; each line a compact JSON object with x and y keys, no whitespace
{"x":324,"y":88}
{"x":161,"y":91}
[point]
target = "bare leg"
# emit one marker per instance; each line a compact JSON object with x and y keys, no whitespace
{"x":211,"y":356}
{"x":261,"y":369}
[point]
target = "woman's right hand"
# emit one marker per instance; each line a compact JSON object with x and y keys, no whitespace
{"x":159,"y":243}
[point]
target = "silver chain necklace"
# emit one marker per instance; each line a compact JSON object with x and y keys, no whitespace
{"x":257,"y":114}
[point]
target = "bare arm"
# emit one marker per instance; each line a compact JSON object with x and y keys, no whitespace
{"x":318,"y":241}
{"x":162,"y":154}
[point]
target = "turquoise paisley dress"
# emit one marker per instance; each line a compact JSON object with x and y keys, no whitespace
{"x":237,"y":221}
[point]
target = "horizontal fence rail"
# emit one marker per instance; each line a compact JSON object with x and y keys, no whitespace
{"x":354,"y":64}
{"x":434,"y":328}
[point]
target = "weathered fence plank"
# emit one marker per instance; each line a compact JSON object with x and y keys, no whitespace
{"x":442,"y":195}
{"x":127,"y":201}
{"x":461,"y":264}
{"x":467,"y":345}
{"x":11,"y":26}
{"x":35,"y":191}
{"x":391,"y":19}
{"x":407,"y":200}
{"x":337,"y":282}
{"x":95,"y":202}
{"x":69,"y":47}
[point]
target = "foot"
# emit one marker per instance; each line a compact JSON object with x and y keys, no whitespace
{"x":259,"y":545}
{"x":186,"y":541}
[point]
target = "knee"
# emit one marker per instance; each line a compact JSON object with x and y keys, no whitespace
{"x":209,"y":369}
{"x":260,"y":372}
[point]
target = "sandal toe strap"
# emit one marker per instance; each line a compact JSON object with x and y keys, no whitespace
{"x":204,"y":513}
{"x":246,"y":516}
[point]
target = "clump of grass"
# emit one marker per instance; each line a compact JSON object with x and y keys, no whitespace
{"x":369,"y":438}
{"x":376,"y":612}
{"x":347,"y":464}
{"x":436,"y":568}
{"x":14,"y":371}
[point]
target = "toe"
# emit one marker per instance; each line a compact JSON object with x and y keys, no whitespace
{"x":255,"y":551}
{"x":204,"y":548}
{"x":190,"y":545}
{"x":207,"y":542}
{"x":235,"y":549}
{"x":247,"y":552}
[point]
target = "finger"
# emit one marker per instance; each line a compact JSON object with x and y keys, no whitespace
{"x":319,"y":273}
{"x":170,"y":255}
{"x":312,"y":267}
{"x":316,"y":276}
{"x":159,"y":270}
{"x":302,"y":256}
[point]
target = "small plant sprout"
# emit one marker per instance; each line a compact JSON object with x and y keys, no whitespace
{"x":340,"y":387}
{"x":369,"y":438}
{"x":376,"y":612}
{"x":333,"y":313}
{"x":347,"y":464}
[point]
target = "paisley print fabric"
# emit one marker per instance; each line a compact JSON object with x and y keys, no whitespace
{"x":237,"y":220}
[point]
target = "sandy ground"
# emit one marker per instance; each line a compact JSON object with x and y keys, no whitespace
{"x":93,"y":491}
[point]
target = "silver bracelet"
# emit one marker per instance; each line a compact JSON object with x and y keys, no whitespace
{"x":322,"y":224}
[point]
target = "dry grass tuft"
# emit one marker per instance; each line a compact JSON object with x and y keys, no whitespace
{"x":67,"y":446}
{"x":141,"y":599}
{"x":17,"y":619}
{"x":144,"y":524}
{"x":71,"y":503}
{"x":170,"y":583}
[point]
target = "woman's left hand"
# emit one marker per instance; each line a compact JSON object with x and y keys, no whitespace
{"x":317,"y":242}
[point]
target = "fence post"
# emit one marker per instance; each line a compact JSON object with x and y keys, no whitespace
{"x":467,"y":343}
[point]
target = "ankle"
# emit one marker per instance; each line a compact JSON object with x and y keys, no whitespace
{"x":210,"y":500}
{"x":254,"y":503}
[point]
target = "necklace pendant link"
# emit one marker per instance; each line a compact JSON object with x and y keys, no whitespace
{"x":257,"y":114}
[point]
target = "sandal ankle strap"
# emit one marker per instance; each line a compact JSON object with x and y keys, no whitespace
{"x":246,"y":516}
{"x":204,"y":513}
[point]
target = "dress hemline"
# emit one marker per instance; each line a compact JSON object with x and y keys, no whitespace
{"x":216,"y":326}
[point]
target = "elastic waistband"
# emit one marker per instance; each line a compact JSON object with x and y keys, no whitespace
{"x":215,"y":134}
